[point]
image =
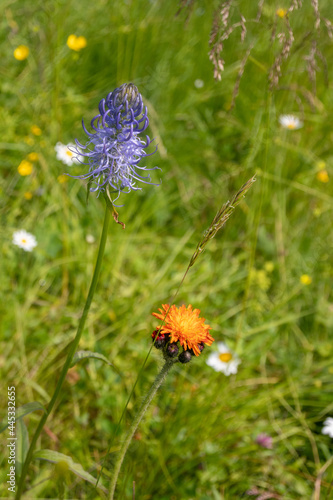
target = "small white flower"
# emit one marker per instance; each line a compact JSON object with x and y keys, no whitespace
{"x":199,"y":83}
{"x":64,"y":153}
{"x":24,"y":240}
{"x":224,"y":360}
{"x":290,"y":122}
{"x":328,"y":427}
{"x":90,"y":239}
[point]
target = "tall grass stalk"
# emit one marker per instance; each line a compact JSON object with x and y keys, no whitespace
{"x":70,"y":354}
{"x":218,"y":222}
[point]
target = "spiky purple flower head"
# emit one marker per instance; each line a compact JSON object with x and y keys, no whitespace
{"x":114,"y":148}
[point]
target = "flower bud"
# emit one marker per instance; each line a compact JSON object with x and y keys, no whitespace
{"x":161,"y":339}
{"x":185,"y":357}
{"x":172,"y":350}
{"x":128,"y":92}
{"x":160,"y":342}
{"x":201,"y":347}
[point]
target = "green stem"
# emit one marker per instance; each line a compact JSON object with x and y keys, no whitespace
{"x":139,"y":374}
{"x":72,"y":350}
{"x":121,"y":455}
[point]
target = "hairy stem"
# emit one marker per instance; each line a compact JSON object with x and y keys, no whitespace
{"x":121,"y":455}
{"x":72,"y":350}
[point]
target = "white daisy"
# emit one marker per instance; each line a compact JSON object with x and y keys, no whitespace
{"x":199,"y":83}
{"x":90,"y":239}
{"x":328,"y":427}
{"x":290,"y":122}
{"x":65,"y":154}
{"x":24,"y":240}
{"x":224,"y":360}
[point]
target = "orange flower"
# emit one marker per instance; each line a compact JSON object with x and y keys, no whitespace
{"x":184,"y":325}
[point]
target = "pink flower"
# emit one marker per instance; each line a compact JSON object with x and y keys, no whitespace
{"x":264,"y":440}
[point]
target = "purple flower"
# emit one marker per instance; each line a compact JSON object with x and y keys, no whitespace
{"x":265,"y":441}
{"x":114,"y":148}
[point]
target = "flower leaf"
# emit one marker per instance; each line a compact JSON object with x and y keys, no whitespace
{"x":22,"y":444}
{"x":55,"y":457}
{"x":88,"y":190}
{"x":22,"y":411}
{"x":79,"y":355}
{"x":112,"y":209}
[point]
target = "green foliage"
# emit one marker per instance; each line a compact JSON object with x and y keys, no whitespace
{"x":198,"y":438}
{"x":63,"y":465}
{"x":21,"y":412}
{"x":22,"y":445}
{"x":79,"y":355}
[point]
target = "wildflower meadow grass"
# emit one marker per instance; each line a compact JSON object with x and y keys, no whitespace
{"x":231,"y":300}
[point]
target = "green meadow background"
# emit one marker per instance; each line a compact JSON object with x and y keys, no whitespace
{"x":197,"y":440}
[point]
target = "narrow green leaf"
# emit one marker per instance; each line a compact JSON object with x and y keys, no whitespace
{"x":79,"y":355}
{"x":22,"y":444}
{"x":55,"y":457}
{"x":112,"y":209}
{"x":88,"y":190}
{"x":22,"y":411}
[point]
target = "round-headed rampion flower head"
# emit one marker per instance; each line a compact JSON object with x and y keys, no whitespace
{"x":114,"y":148}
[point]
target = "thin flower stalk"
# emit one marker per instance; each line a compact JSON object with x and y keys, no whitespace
{"x":70,"y":354}
{"x":121,"y":455}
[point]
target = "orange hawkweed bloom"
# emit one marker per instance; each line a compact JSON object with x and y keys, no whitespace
{"x":184,"y":325}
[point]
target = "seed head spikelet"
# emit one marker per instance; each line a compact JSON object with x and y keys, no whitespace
{"x":220,"y":219}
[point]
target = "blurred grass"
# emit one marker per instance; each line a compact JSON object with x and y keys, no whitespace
{"x":198,"y":439}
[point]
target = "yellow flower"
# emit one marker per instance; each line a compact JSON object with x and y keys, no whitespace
{"x":28,"y":140}
{"x":305,"y":279}
{"x":281,"y":13}
{"x":259,"y":278}
{"x":81,"y":42}
{"x":184,"y":325}
{"x":28,"y":195}
{"x":25,"y":168}
{"x":33,"y":156}
{"x":21,"y":52}
{"x":36,"y":130}
{"x":269,"y":266}
{"x":322,"y":176}
{"x":62,"y":178}
{"x":71,"y":42}
{"x":317,"y":211}
{"x":321,"y":165}
{"x":76,"y":42}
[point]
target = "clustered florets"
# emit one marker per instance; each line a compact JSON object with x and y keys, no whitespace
{"x":181,"y":327}
{"x":114,"y":148}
